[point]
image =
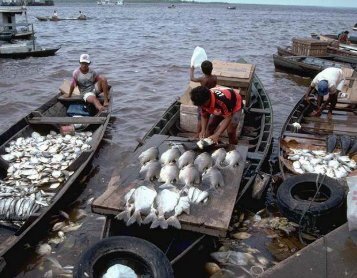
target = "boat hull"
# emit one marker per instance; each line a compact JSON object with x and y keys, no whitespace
{"x":36,"y":53}
{"x":14,"y":246}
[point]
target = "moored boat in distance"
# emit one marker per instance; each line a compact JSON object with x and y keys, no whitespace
{"x":9,"y":25}
{"x":50,"y":18}
{"x":307,"y":66}
{"x":33,"y":197}
{"x":110,"y":3}
{"x":20,"y":50}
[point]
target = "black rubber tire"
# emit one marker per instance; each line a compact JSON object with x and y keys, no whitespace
{"x":99,"y":257}
{"x":293,"y":208}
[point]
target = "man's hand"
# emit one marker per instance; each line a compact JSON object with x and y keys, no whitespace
{"x":214,"y":138}
{"x":67,"y":95}
{"x":202,"y":134}
{"x":106,"y":103}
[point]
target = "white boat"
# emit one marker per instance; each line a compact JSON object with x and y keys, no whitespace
{"x":8,"y":24}
{"x":110,"y":3}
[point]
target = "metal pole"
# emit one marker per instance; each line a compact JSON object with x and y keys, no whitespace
{"x":33,"y":37}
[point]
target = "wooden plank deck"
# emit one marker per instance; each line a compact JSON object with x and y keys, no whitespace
{"x":211,"y":218}
{"x":341,"y":123}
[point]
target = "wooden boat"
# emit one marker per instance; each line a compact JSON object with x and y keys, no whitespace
{"x":6,"y":36}
{"x":255,"y":137}
{"x":333,"y":53}
{"x":19,"y":30}
{"x":50,"y":18}
{"x":50,"y":116}
{"x":314,"y":131}
{"x":304,"y":65}
{"x":20,"y":50}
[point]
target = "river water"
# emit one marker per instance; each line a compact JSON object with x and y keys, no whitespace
{"x":144,"y":50}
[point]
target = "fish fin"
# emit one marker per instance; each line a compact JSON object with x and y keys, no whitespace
{"x":124,"y":215}
{"x":174,"y":222}
{"x":150,"y":218}
{"x":203,"y":195}
{"x":136,"y":217}
{"x":160,"y":221}
{"x":166,"y":186}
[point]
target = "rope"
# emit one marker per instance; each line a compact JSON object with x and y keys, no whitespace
{"x":318,"y":186}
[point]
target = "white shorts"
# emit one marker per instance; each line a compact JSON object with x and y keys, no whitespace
{"x":95,"y":93}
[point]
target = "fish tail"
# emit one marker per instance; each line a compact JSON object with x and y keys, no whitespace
{"x":160,"y":221}
{"x":150,"y":218}
{"x":136,"y":217}
{"x":124,"y":215}
{"x":174,"y":222}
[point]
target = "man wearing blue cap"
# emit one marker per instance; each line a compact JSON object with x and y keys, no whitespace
{"x":329,"y":81}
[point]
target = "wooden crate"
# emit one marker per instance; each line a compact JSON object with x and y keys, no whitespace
{"x":309,"y":47}
{"x":234,"y":75}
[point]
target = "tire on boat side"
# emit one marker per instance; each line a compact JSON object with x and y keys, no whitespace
{"x":322,"y":215}
{"x":142,"y":256}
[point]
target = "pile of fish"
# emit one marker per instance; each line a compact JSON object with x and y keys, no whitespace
{"x":179,"y":175}
{"x":335,"y":164}
{"x":37,"y":166}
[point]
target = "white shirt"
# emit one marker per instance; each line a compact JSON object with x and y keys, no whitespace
{"x":333,"y":76}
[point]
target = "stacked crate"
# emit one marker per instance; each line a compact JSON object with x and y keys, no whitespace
{"x":309,"y":47}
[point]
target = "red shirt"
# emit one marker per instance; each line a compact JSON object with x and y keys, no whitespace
{"x":222,"y":102}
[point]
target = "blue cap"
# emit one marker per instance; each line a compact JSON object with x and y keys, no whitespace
{"x":322,"y":88}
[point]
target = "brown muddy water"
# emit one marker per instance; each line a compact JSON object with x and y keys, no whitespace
{"x":144,"y":50}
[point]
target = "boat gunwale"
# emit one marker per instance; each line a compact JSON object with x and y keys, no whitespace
{"x":20,"y":240}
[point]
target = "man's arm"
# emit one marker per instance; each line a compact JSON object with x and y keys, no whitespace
{"x":222,"y":127}
{"x":204,"y":122}
{"x":308,"y":92}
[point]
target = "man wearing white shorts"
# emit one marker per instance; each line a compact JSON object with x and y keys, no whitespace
{"x":89,"y":83}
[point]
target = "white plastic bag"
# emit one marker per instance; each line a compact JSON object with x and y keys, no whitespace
{"x":199,"y":55}
{"x":352,"y":203}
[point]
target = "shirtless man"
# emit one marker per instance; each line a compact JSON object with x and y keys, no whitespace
{"x":89,"y":83}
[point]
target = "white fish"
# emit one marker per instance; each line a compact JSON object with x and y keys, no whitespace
{"x":233,"y":158}
{"x":218,"y":156}
{"x":183,"y":205}
{"x":170,"y":155}
{"x":202,"y":197}
{"x":169,"y":173}
{"x":143,"y":199}
{"x":203,"y":161}
{"x":151,"y":170}
{"x":189,"y":175}
{"x":213,"y":177}
{"x":129,"y":206}
{"x":120,"y":270}
{"x":44,"y":249}
{"x":204,"y":143}
{"x":334,"y":164}
{"x":188,"y":157}
{"x":166,"y":202}
{"x":294,"y":157}
{"x":150,"y":154}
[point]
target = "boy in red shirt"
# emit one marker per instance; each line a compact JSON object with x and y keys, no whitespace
{"x":225,"y":105}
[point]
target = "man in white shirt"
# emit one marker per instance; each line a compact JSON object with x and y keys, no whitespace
{"x":90,"y":84}
{"x":329,"y":81}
